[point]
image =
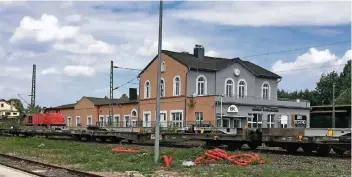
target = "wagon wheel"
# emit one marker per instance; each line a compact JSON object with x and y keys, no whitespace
{"x":338,"y":151}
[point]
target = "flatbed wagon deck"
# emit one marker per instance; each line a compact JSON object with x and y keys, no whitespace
{"x":311,"y":139}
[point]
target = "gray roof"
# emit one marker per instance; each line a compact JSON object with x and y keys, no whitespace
{"x":100,"y":102}
{"x":67,"y":106}
{"x":215,"y":64}
{"x":106,"y":101}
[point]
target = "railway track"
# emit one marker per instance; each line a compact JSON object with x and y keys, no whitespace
{"x":40,"y":169}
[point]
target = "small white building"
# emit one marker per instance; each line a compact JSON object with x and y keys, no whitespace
{"x":8,"y":109}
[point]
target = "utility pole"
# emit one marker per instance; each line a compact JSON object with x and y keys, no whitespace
{"x":157,"y":128}
{"x":333,"y":105}
{"x":111,"y":111}
{"x":33,"y":90}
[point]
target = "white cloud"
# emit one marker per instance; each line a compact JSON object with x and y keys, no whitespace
{"x":313,"y":58}
{"x":79,"y":70}
{"x":47,"y":28}
{"x":74,"y":18}
{"x":2,"y":52}
{"x":65,"y":38}
{"x":49,"y":71}
{"x":267,"y":13}
{"x":212,"y":53}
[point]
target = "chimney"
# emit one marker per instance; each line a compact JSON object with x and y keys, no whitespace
{"x":199,"y":52}
{"x":133,"y":94}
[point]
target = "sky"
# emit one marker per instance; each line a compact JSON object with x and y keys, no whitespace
{"x":72,"y":43}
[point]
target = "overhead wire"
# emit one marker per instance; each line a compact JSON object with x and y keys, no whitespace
{"x":270,"y":53}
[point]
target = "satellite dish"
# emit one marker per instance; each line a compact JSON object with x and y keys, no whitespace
{"x":236,"y":72}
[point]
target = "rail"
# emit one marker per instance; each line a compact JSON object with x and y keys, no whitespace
{"x":16,"y":161}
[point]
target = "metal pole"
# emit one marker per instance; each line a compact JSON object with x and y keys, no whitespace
{"x":333,"y":105}
{"x":221,"y":111}
{"x":111,"y":93}
{"x":33,"y":89}
{"x":157,"y":128}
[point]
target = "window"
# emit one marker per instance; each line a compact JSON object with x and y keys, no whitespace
{"x":266,"y":90}
{"x":134,"y":113}
{"x":116,"y":120}
{"x":147,"y":89}
{"x":255,"y":121}
{"x":14,"y":113}
{"x":242,"y":89}
{"x":283,"y":121}
{"x":229,"y":87}
{"x":101,"y":121}
{"x":236,"y":123}
{"x":163,"y":66}
{"x":69,"y":121}
{"x":127,"y":121}
{"x":270,"y":121}
{"x":201,"y":85}
{"x":147,"y":119}
{"x":2,"y":105}
{"x":162,"y":88}
{"x":78,"y":121}
{"x":177,"y":86}
{"x":199,"y":118}
{"x":89,"y":120}
{"x":176,"y":119}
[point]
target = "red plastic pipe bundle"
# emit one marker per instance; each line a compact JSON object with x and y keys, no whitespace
{"x":212,"y":156}
{"x":122,"y":149}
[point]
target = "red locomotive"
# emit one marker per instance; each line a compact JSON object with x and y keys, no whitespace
{"x":48,"y":117}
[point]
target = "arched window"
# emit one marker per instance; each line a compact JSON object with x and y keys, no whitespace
{"x":134,"y":113}
{"x":147,"y":89}
{"x":229,"y":88}
{"x":242,"y":88}
{"x":265,"y":90}
{"x":162,"y":87}
{"x":177,"y":86}
{"x":163,"y":66}
{"x":201,"y":85}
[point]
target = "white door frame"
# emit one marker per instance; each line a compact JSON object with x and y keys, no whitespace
{"x":126,"y":124}
{"x":148,"y":122}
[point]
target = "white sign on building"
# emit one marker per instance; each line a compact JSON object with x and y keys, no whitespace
{"x":232,"y":109}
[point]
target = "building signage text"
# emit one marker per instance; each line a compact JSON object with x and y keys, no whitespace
{"x":232,"y":108}
{"x":300,"y":120}
{"x":265,"y":109}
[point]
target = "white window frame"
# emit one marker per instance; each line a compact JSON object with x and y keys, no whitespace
{"x":233,"y":87}
{"x":163,"y":64}
{"x":147,"y":92}
{"x":147,"y":123}
{"x":238,"y":88}
{"x":268,"y":90}
{"x":78,"y":118}
{"x":205,"y":84}
{"x":252,"y":122}
{"x":162,"y":123}
{"x":198,"y":122}
{"x":162,"y":87}
{"x":179,"y":121}
{"x":239,"y":123}
{"x":174,"y":86}
{"x":91,"y":120}
{"x":270,"y":118}
{"x":134,"y":109}
{"x":114,"y":123}
{"x":103,"y":120}
{"x":69,"y":121}
{"x":228,"y":119}
{"x":125,"y":123}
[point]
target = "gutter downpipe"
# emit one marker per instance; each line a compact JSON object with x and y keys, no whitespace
{"x":189,"y":68}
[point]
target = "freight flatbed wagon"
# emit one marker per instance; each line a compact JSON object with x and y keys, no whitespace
{"x":290,"y":139}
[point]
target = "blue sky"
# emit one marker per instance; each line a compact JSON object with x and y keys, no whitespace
{"x":72,"y":43}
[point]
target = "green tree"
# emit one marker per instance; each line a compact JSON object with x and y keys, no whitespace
{"x":325,"y":87}
{"x":33,"y":109}
{"x":124,"y":97}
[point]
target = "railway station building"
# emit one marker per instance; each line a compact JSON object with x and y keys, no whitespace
{"x":198,"y":89}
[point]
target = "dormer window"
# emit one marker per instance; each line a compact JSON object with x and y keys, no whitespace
{"x":163,"y":66}
{"x":265,"y":90}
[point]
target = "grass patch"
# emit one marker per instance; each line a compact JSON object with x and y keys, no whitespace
{"x":99,"y":158}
